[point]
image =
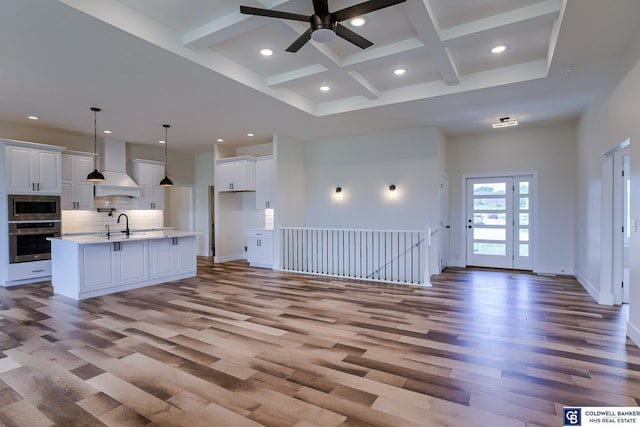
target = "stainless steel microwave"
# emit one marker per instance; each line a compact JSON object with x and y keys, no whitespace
{"x":33,"y":207}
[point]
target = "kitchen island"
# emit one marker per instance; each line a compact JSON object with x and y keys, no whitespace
{"x":86,"y":266}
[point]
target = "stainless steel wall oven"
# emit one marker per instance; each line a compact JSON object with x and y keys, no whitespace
{"x":32,"y":219}
{"x":28,"y":240}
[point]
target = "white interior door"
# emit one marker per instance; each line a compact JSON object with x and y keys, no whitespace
{"x":499,"y":222}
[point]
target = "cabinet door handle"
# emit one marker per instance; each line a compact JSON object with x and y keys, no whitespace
{"x":37,"y":271}
{"x":116,"y":246}
{"x":33,"y":186}
{"x":38,"y":184}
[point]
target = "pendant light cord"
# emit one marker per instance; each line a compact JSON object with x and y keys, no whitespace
{"x":166,"y":148}
{"x":95,"y":139}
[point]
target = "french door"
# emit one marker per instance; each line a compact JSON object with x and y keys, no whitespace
{"x":499,"y":222}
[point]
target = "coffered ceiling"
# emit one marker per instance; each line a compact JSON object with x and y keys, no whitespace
{"x":196,"y":63}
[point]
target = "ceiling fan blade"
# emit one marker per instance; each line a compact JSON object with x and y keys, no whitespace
{"x":273,"y":13}
{"x":352,"y":37}
{"x":363,"y":8}
{"x":321,"y":7}
{"x":300,"y":41}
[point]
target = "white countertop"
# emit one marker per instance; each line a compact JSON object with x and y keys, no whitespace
{"x":93,"y":239}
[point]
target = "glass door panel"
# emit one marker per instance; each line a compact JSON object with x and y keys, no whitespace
{"x":489,"y":218}
{"x":498,"y":224}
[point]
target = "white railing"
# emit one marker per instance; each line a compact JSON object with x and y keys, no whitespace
{"x":395,"y":256}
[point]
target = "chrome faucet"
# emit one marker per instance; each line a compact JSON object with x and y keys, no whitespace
{"x":106,"y":226}
{"x":126,"y":229}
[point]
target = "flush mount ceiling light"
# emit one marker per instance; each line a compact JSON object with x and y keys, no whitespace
{"x":498,"y":49}
{"x":266,"y":52}
{"x":325,"y":88}
{"x":358,"y":21}
{"x":250,"y":134}
{"x":399,"y":71}
{"x":504,"y":123}
{"x":166,"y":181}
{"x":95,"y":176}
{"x":220,"y":140}
{"x":33,"y":117}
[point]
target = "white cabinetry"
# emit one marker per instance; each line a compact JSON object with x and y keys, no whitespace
{"x":260,"y":248}
{"x":88,"y":266}
{"x":171,"y":256}
{"x":113,"y":264}
{"x":236,"y":174}
{"x":77,"y":192}
{"x":265,"y":183}
{"x":32,"y":170}
{"x":148,"y":175}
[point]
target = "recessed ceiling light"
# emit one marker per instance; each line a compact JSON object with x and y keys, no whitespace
{"x":325,"y":88}
{"x":358,"y":21}
{"x":107,"y":131}
{"x":266,"y":52}
{"x":498,"y":49}
{"x":33,"y":117}
{"x":399,"y":71}
{"x":250,"y":134}
{"x":161,"y":141}
{"x":220,"y":140}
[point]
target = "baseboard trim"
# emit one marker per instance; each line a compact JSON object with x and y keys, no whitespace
{"x":599,"y":297}
{"x":226,"y":258}
{"x":633,"y":333}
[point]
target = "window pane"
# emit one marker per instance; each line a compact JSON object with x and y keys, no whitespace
{"x":493,"y":218}
{"x":524,"y":234}
{"x":524,"y":203}
{"x":524,"y":219}
{"x":492,"y":204}
{"x":490,"y":234}
{"x":524,"y":187}
{"x":493,"y":188}
{"x":523,"y":250}
{"x":489,"y":249}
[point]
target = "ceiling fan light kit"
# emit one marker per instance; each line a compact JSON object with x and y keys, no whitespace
{"x":325,"y":25}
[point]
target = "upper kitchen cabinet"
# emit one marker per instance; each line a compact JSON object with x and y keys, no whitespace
{"x":236,"y":174}
{"x":148,"y":174}
{"x":77,"y":192}
{"x":264,"y":183}
{"x":32,"y":168}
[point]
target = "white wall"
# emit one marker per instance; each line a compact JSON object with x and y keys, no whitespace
{"x":549,"y":151}
{"x":290,"y":172}
{"x":609,"y":120}
{"x":364,"y":167}
{"x":204,"y":177}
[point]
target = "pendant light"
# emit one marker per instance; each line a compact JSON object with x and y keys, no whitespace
{"x":166,"y":181}
{"x":95,"y":176}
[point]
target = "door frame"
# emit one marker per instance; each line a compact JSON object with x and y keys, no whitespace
{"x":533,"y":232}
{"x":614,"y":191}
{"x":445,"y":222}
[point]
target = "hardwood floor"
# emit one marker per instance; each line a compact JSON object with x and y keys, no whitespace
{"x":238,"y":346}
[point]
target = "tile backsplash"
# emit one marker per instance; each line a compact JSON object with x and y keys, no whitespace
{"x":93,"y":221}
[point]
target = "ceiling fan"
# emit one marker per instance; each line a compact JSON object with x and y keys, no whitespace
{"x":324,"y":25}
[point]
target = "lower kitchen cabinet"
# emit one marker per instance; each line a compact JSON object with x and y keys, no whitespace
{"x":113,"y":264}
{"x":88,"y":266}
{"x":171,"y":256}
{"x":260,"y":248}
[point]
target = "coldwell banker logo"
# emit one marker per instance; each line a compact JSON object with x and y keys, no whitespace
{"x":572,"y":417}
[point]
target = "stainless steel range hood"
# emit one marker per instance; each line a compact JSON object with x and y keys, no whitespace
{"x":113,"y":162}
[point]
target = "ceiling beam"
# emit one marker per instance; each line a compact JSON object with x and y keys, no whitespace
{"x":235,"y":23}
{"x":484,"y":28}
{"x":423,"y":19}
